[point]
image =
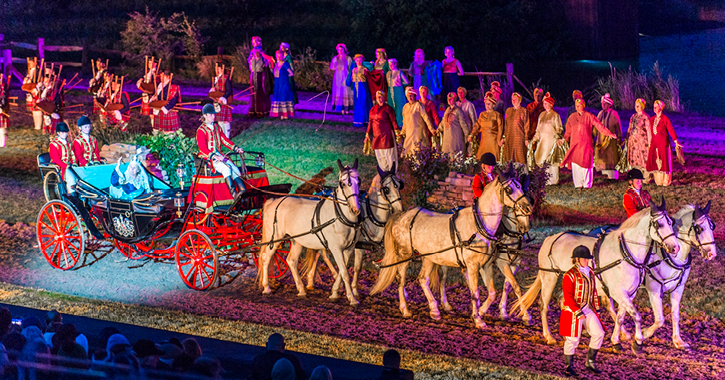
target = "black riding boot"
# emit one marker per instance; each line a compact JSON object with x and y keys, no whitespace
{"x":232,"y":188}
{"x":569,"y":369}
{"x":591,"y":361}
{"x":240,"y":185}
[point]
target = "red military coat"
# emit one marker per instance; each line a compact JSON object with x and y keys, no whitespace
{"x":579,"y":129}
{"x":381,"y":126}
{"x":480,"y":181}
{"x":634,"y":202}
{"x":579,"y":291}
{"x":61,"y":155}
{"x":210,"y":140}
{"x":86,"y":150}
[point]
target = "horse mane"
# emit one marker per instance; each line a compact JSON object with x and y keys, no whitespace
{"x":682,"y":214}
{"x":634,"y":220}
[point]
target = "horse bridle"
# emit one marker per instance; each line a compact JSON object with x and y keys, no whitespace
{"x":700,"y":246}
{"x":654,"y":223}
{"x":342,"y":185}
{"x":517,"y":207}
{"x":386,"y":189}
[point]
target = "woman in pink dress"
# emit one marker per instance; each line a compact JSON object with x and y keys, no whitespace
{"x":638,"y":138}
{"x":342,"y":95}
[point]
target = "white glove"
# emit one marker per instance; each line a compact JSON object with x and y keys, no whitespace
{"x":223,"y":100}
{"x":55,"y":116}
{"x":165,"y":110}
{"x":117,"y":115}
{"x":46,"y":120}
{"x":156,"y":111}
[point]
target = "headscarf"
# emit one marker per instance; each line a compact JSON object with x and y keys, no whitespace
{"x":382,"y":51}
{"x":660,"y":103}
{"x":489,"y":98}
{"x":284,"y":47}
{"x":580,"y":100}
{"x":516,"y":94}
{"x":642,"y":103}
{"x":464,"y":90}
{"x":495,"y":84}
{"x":538,"y":90}
{"x":496,"y":89}
{"x":343,"y":46}
{"x":576,"y":94}
{"x":607,"y":99}
{"x":283,"y":370}
{"x":358,"y":56}
{"x":410,"y":90}
{"x":548,"y":99}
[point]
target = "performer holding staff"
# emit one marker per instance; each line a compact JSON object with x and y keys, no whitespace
{"x":163,"y":102}
{"x":98,"y":85}
{"x":49,"y":102}
{"x":4,"y":108}
{"x":147,"y":85}
{"x":118,"y":104}
{"x":30,"y":86}
{"x":221,"y":93}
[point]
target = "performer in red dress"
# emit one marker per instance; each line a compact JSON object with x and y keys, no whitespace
{"x":210,"y":139}
{"x":223,"y":83}
{"x":635,"y":198}
{"x":486,"y":176}
{"x":430,"y":109}
{"x":166,"y":119}
{"x":62,"y":155}
{"x":659,"y":158}
{"x":580,"y":302}
{"x":381,"y":130}
{"x":85,"y":146}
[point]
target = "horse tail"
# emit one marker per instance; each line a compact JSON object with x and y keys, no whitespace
{"x":309,"y":261}
{"x":387,"y":275}
{"x":528,"y":298}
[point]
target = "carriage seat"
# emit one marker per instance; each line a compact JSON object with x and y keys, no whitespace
{"x":44,"y":159}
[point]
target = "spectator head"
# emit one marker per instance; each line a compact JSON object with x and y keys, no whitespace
{"x":145,"y":348}
{"x":32,"y":321}
{"x":66,"y":333}
{"x":125,"y":363}
{"x":275,"y":342}
{"x":53,"y":316}
{"x":6,"y":320}
{"x":170,"y":352}
{"x":391,"y":359}
{"x":116,"y":344}
{"x":191,"y":347}
{"x":208,"y":367}
{"x":14,"y":341}
{"x":321,"y":373}
{"x":283,"y":370}
{"x":32,"y":333}
{"x":36,"y":351}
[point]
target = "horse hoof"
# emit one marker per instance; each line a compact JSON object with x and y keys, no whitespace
{"x":550,"y":341}
{"x":334,"y":297}
{"x":637,"y":348}
{"x":480,"y":324}
{"x":407,"y":314}
{"x":504,"y":316}
{"x":302,"y":295}
{"x":617,"y":348}
{"x":355,"y":293}
{"x":528,"y":321}
{"x":266,"y":291}
{"x":354,"y":303}
{"x":682,"y":345}
{"x":310,"y":287}
{"x":447,"y":307}
{"x":435,"y":316}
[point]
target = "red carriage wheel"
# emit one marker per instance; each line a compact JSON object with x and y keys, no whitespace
{"x":131,"y":251}
{"x":278,"y":267}
{"x":197,"y":260}
{"x":60,"y":235}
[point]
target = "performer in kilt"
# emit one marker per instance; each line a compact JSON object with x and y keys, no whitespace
{"x":4,"y":109}
{"x":487,"y":174}
{"x":210,"y":139}
{"x":118,"y":96}
{"x":98,"y":86}
{"x":635,"y":198}
{"x":32,"y":97}
{"x":85,"y":146}
{"x":223,"y":84}
{"x":580,"y":298}
{"x":62,"y":155}
{"x":166,"y":119}
{"x":52,"y":103}
{"x":149,"y":78}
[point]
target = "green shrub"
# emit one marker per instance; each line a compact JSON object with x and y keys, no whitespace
{"x":311,"y":75}
{"x":418,"y":171}
{"x":171,"y":150}
{"x":537,"y":185}
{"x":626,"y":86}
{"x":240,"y":63}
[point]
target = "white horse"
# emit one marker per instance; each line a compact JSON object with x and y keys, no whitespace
{"x":668,"y":274}
{"x":461,"y":239}
{"x":316,"y":225}
{"x":622,"y":255}
{"x":510,"y":238}
{"x":380,"y":202}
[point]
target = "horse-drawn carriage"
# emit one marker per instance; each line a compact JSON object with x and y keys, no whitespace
{"x":195,"y":226}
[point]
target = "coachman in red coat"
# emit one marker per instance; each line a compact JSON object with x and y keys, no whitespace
{"x":62,"y":155}
{"x":635,"y":198}
{"x":580,"y":301}
{"x":85,"y":146}
{"x":486,"y":176}
{"x":210,"y":139}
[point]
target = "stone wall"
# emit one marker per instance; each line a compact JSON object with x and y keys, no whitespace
{"x":453,"y":190}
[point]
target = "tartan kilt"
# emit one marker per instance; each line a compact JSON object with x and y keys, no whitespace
{"x":4,"y":121}
{"x":225,"y":114}
{"x":125,"y":117}
{"x":96,"y":108}
{"x":167,"y":122}
{"x":145,"y":109}
{"x":30,"y":103}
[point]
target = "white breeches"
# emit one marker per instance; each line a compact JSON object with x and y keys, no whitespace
{"x":386,"y":158}
{"x":38,"y":119}
{"x":226,"y":168}
{"x":70,"y":180}
{"x":582,"y":176}
{"x":591,"y":323}
{"x":226,"y":127}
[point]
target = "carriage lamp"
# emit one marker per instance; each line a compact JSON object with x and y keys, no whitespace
{"x":181,"y":173}
{"x":178,"y":203}
{"x":259,"y":160}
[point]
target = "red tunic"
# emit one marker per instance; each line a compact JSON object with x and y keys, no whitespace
{"x":480,"y":181}
{"x":223,"y":84}
{"x":432,"y":111}
{"x":61,"y":155}
{"x":86,"y":151}
{"x":211,"y":139}
{"x":168,"y":122}
{"x":659,"y":157}
{"x":535,"y":109}
{"x":634,"y":202}
{"x":579,"y":291}
{"x":381,"y":126}
{"x":579,"y":129}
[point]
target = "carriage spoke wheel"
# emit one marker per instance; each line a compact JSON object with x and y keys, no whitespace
{"x":197,"y":260}
{"x":278,"y":267}
{"x":60,"y":235}
{"x":51,"y":184}
{"x":130,"y":250}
